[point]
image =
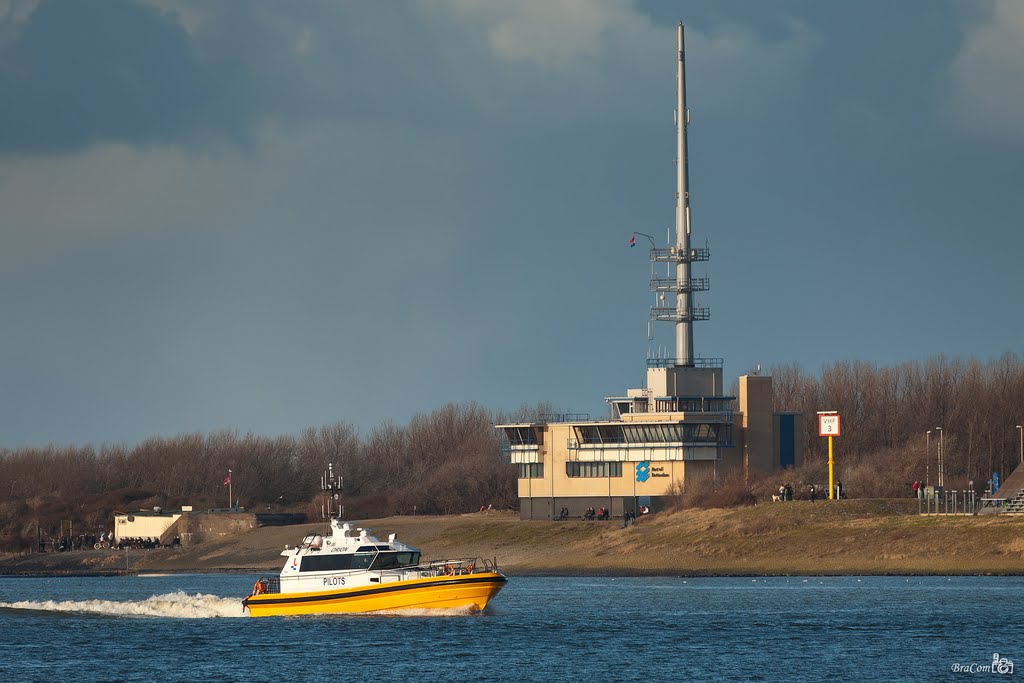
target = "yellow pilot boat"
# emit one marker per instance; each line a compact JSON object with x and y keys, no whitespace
{"x":353,"y":571}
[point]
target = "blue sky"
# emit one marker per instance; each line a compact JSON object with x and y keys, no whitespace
{"x":264,"y":216}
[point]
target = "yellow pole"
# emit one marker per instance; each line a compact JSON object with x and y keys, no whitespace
{"x":831,"y":480}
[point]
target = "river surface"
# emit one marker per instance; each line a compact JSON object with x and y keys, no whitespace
{"x":190,"y":627}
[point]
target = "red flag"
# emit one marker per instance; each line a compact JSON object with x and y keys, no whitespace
{"x":227,"y":479}
{"x":632,"y":241}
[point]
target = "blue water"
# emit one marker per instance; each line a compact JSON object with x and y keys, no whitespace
{"x":183,"y":628}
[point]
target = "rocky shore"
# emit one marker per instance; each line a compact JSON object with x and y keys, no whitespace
{"x":853,"y":537}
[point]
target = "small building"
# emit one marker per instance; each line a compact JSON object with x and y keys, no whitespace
{"x":194,"y":526}
{"x":145,"y":523}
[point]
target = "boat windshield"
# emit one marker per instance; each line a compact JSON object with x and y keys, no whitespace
{"x":394,"y":560}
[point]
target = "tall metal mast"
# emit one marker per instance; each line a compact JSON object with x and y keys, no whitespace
{"x":683,"y":313}
{"x":684,"y":328}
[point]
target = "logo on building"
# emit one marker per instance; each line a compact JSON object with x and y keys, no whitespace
{"x":643,"y":471}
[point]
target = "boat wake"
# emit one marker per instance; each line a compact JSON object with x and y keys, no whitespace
{"x":173,"y":605}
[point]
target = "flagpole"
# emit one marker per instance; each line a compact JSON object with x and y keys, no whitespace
{"x":229,"y":490}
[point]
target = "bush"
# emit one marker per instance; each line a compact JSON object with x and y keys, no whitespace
{"x":709,"y":492}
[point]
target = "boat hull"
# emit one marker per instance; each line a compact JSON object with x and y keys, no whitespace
{"x":471,"y":591}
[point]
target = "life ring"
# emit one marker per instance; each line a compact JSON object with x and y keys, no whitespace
{"x":449,"y":570}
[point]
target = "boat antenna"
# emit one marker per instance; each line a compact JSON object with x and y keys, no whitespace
{"x":332,"y":485}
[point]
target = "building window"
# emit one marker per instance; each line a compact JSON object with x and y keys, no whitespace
{"x":593,"y":469}
{"x":533,"y":470}
{"x":521,"y":436}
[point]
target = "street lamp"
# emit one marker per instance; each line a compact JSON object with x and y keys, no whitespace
{"x":939,"y":430}
{"x":927,"y":458}
{"x":1021,"y":428}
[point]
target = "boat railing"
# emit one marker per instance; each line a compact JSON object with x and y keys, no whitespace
{"x":267,"y":584}
{"x":457,"y":567}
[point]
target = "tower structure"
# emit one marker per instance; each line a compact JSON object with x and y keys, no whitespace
{"x":682,"y":286}
{"x":680,"y":429}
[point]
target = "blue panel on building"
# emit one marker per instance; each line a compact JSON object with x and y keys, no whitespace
{"x":787,"y":455}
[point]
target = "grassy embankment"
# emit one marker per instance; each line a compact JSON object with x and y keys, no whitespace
{"x":798,"y":538}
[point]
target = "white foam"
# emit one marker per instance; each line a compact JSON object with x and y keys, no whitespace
{"x":175,"y":605}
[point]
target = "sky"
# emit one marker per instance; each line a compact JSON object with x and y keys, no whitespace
{"x":262,"y":216}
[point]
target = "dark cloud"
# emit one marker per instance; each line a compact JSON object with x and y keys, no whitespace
{"x":86,"y":71}
{"x":448,"y":186}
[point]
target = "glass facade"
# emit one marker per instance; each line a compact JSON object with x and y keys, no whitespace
{"x":655,"y":433}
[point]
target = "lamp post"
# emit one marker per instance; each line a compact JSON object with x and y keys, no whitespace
{"x":1020,"y":428}
{"x":927,"y":458}
{"x":939,"y":430}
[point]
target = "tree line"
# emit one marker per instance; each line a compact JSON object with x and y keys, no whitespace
{"x":441,"y":463}
{"x":887,"y":412}
{"x":447,"y":461}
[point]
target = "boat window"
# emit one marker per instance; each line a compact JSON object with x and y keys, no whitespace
{"x":325,"y":563}
{"x":393,"y":560}
{"x":386,"y":561}
{"x":362,"y":560}
{"x":408,"y":559}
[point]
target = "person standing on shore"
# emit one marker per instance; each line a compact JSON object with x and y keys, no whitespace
{"x":814,"y":494}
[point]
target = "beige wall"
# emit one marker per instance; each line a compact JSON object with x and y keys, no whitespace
{"x":137,"y":525}
{"x":684,"y":381}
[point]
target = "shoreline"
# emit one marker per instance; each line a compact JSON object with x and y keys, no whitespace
{"x":794,"y":539}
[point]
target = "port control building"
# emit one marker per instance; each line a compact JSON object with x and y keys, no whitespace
{"x":678,"y":431}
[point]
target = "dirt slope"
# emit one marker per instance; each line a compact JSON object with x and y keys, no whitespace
{"x":846,"y":537}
